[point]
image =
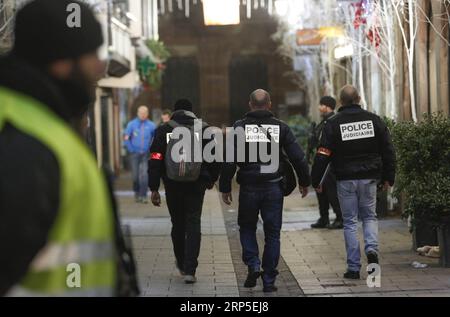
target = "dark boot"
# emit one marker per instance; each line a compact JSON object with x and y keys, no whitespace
{"x":352,"y":275}
{"x":252,"y":277}
{"x":270,"y":289}
{"x":372,"y":257}
{"x":321,"y":224}
{"x":337,"y":224}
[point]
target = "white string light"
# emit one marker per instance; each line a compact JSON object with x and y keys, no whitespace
{"x":186,"y":8}
{"x":162,"y":5}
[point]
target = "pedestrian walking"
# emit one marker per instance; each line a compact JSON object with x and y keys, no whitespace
{"x":328,"y":196}
{"x":261,"y":191}
{"x":138,"y":137}
{"x":185,"y":185}
{"x":359,"y":147}
{"x":165,"y":116}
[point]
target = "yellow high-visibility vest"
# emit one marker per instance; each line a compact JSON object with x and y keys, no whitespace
{"x":79,"y":258}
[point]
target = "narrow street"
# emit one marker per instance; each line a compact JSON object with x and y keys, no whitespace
{"x":312,"y":262}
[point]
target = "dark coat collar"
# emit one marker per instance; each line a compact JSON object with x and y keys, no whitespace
{"x":259,"y":114}
{"x":350,"y":108}
{"x":18,"y":75}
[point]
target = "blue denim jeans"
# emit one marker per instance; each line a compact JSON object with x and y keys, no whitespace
{"x":267,"y":199}
{"x":358,"y":200}
{"x":139,"y":172}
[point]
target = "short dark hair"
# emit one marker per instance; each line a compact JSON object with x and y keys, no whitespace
{"x":183,"y":104}
{"x":166,"y":112}
{"x":260,"y":99}
{"x":328,"y":101}
{"x":349,"y":95}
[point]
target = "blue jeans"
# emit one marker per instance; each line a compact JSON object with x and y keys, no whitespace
{"x":139,"y":172}
{"x":267,"y":199}
{"x":358,"y":199}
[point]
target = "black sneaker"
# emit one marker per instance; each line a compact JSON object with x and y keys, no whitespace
{"x":252,"y":277}
{"x":352,"y":275}
{"x":336,"y":225}
{"x":320,"y":224}
{"x":372,"y":257}
{"x":270,"y":288}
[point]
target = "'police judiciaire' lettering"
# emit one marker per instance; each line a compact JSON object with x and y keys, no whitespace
{"x":357,"y":130}
{"x":254,"y":134}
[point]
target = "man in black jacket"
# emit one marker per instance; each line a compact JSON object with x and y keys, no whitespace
{"x":328,"y":196}
{"x":261,"y":189}
{"x":359,"y":147}
{"x":184,"y":199}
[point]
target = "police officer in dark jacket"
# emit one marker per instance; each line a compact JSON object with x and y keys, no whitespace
{"x":184,"y":199}
{"x":328,"y":196}
{"x":359,"y":147}
{"x":261,"y":190}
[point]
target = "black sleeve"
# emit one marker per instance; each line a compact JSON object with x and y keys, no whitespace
{"x":297,"y":157}
{"x":29,"y":202}
{"x":324,"y":155}
{"x":226,"y":177}
{"x":228,"y":169}
{"x":387,"y":154}
{"x":156,"y":160}
{"x":213,"y":168}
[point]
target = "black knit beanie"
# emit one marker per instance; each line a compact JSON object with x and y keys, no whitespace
{"x":183,"y":104}
{"x":42,"y":34}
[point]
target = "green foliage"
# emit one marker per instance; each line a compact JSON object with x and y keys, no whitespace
{"x":158,"y":49}
{"x":423,"y":166}
{"x":151,"y":72}
{"x":301,"y":127}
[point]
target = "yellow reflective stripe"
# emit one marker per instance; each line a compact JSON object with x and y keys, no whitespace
{"x":55,"y":255}
{"x":95,"y":292}
{"x":92,"y":276}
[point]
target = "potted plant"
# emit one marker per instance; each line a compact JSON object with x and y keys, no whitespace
{"x":423,"y":179}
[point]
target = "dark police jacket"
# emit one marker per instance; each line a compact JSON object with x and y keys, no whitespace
{"x":209,"y":173}
{"x":314,"y":139}
{"x":358,"y":145}
{"x":276,"y":131}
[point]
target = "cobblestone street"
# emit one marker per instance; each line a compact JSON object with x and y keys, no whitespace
{"x":312,"y":262}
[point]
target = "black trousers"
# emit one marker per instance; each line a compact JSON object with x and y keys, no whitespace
{"x":329,"y":197}
{"x":185,"y":202}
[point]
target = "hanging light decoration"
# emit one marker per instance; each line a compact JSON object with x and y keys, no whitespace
{"x":218,"y":12}
{"x":225,"y":7}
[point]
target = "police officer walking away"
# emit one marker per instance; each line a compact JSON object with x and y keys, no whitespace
{"x":359,"y":147}
{"x":185,"y":189}
{"x":262,"y":192}
{"x":328,"y":196}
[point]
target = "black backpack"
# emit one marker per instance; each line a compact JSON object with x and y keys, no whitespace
{"x":179,"y":167}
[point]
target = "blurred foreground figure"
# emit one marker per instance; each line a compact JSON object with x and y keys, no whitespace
{"x":58,"y":231}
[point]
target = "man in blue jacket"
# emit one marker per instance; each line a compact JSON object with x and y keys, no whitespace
{"x":138,"y":139}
